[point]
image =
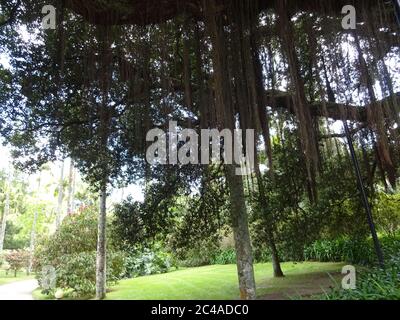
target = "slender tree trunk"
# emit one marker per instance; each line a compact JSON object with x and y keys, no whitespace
{"x":5,"y":213}
{"x":60,"y":196}
{"x":73,"y":190}
{"x":32,"y":242}
{"x":241,"y":234}
{"x":70,"y":187}
{"x":104,"y":155}
{"x":3,"y":230}
{"x":276,"y":264}
{"x":101,"y":247}
{"x":33,"y":233}
{"x":269,"y":227}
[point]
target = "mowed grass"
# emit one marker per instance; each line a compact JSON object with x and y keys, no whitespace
{"x":220,"y":282}
{"x":8,"y":278}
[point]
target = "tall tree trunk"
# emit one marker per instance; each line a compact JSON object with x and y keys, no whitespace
{"x":73,"y":190}
{"x":225,"y":118}
{"x":70,"y":187}
{"x":60,"y":196}
{"x":104,"y":156}
{"x":101,"y":247}
{"x":241,"y":234}
{"x":32,"y":242}
{"x":276,"y":265}
{"x":33,"y":232}
{"x":5,"y":213}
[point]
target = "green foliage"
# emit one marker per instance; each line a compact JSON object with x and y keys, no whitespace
{"x":289,"y":214}
{"x":13,"y":239}
{"x":387,"y":212}
{"x":224,"y":256}
{"x":131,"y":224}
{"x":77,"y":271}
{"x":262,"y":255}
{"x":349,"y":250}
{"x":198,"y":255}
{"x":146,"y":261}
{"x":17,"y":259}
{"x":78,"y":233}
{"x":374,"y":284}
{"x":357,"y":251}
{"x":72,"y":252}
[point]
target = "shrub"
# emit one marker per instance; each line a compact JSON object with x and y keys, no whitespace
{"x":17,"y":259}
{"x":72,"y":252}
{"x":350,"y":250}
{"x":226,"y":256}
{"x":146,"y":262}
{"x":262,"y":255}
{"x":375,"y":284}
{"x":77,"y":271}
{"x":387,"y":212}
{"x":197,"y":256}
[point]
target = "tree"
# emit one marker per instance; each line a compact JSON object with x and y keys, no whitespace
{"x":71,"y":250}
{"x":17,"y":260}
{"x":71,"y":188}
{"x":6,"y":211}
{"x":60,"y":196}
{"x":13,"y":201}
{"x":111,"y":83}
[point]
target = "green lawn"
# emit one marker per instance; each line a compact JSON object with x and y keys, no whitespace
{"x":219,"y":282}
{"x":8,"y":278}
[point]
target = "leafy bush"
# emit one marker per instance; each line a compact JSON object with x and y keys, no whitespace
{"x":17,"y":259}
{"x":350,"y":250}
{"x":390,"y":245}
{"x":146,"y":262}
{"x":197,"y":256}
{"x":375,"y":284}
{"x":2,"y":260}
{"x":77,"y":233}
{"x":387,"y":210}
{"x":262,"y":255}
{"x":72,"y":252}
{"x":77,"y":271}
{"x":227,"y":256}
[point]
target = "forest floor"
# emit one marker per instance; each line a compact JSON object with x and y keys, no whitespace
{"x":219,"y":282}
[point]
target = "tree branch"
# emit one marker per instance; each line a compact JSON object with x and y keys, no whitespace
{"x":334,"y":111}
